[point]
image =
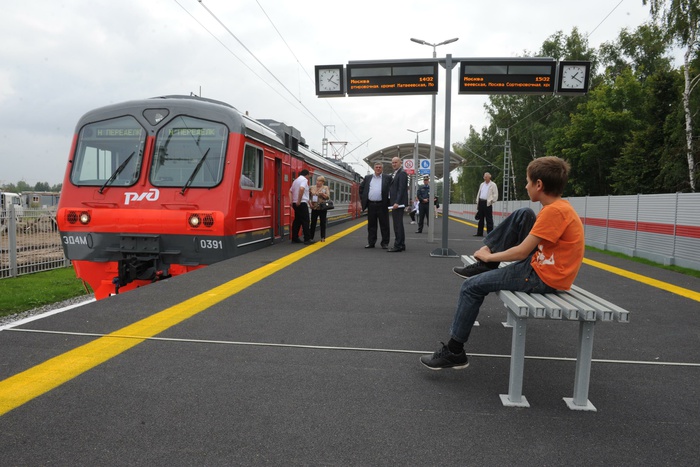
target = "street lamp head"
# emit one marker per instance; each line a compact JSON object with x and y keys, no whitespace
{"x":422,"y":42}
{"x":449,"y":41}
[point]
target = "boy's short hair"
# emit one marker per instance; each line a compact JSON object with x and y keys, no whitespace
{"x":304,"y":172}
{"x":552,"y":171}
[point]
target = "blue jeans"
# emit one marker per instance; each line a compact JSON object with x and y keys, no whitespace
{"x":518,"y":276}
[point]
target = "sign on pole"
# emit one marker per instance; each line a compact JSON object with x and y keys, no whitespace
{"x":408,"y":166}
{"x":424,"y":167}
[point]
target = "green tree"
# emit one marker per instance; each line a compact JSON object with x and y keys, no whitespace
{"x":23,"y":186}
{"x":680,"y":19}
{"x":643,"y":53}
{"x":599,"y":130}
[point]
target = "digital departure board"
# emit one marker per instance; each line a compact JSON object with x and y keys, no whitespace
{"x":382,"y":79}
{"x":502,"y":76}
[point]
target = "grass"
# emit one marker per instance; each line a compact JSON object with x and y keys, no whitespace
{"x":18,"y":294}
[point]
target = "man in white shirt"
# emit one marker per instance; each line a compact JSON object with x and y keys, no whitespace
{"x":299,"y":194}
{"x":485,"y":198}
{"x":374,"y":194}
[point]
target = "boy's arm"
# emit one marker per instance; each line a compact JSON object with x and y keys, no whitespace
{"x":515,"y":253}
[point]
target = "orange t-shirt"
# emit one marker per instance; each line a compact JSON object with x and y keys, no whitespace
{"x":560,"y":251}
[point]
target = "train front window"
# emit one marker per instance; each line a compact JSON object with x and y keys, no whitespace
{"x":189,"y":152}
{"x":109,"y":153}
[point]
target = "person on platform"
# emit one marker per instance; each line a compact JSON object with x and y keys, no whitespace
{"x":299,"y":194}
{"x":436,"y":202}
{"x":414,"y":210}
{"x":485,"y":199}
{"x":398,"y":198}
{"x":423,"y":195}
{"x":374,"y":195}
{"x":320,"y":193}
{"x":546,"y":250}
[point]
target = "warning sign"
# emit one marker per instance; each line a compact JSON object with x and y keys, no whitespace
{"x":408,"y":166}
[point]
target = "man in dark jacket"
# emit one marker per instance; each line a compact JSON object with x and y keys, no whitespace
{"x":398,"y":197}
{"x":375,"y":199}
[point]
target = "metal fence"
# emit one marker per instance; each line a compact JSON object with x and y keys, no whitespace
{"x":663,"y":228}
{"x":29,"y":243}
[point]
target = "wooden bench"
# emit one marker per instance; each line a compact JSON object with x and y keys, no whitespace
{"x":574,"y":305}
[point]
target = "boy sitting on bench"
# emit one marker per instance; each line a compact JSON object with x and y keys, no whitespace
{"x":547,"y":250}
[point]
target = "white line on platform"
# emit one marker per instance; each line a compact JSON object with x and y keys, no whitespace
{"x":357,"y":349}
{"x":43,"y":315}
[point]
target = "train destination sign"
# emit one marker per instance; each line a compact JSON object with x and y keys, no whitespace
{"x":382,"y":79}
{"x":499,"y":76}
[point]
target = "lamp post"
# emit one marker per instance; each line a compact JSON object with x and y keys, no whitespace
{"x":414,"y":187}
{"x":446,"y":159}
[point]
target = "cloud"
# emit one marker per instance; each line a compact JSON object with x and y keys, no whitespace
{"x":62,"y":59}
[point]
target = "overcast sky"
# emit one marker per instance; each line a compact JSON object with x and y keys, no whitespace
{"x":62,"y":58}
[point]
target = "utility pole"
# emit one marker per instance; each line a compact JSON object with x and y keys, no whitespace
{"x":324,"y":143}
{"x":506,"y":171}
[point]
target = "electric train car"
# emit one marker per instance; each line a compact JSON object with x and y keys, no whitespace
{"x":159,"y":187}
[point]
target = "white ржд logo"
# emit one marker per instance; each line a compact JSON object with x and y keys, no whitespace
{"x":150,"y":195}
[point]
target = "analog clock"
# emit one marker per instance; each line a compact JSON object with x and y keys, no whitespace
{"x":329,"y":80}
{"x":573,"y":76}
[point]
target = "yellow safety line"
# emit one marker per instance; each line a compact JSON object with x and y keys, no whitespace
{"x":23,"y":387}
{"x":687,"y":293}
{"x":645,"y":280}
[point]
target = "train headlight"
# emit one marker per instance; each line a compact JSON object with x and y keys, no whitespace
{"x":84,"y":217}
{"x":194,"y":221}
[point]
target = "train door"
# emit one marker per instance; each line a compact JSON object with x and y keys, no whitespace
{"x":278,"y":199}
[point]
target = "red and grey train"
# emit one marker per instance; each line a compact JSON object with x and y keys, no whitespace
{"x":159,"y":187}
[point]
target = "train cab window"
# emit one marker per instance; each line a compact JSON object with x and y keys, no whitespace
{"x":189,"y":152}
{"x":109,"y":153}
{"x":252,"y":168}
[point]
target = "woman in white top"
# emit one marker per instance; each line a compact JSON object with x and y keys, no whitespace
{"x":320,"y":193}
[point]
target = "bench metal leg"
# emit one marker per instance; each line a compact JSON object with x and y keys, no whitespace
{"x":583,"y":369}
{"x":515,"y":397}
{"x":510,"y":319}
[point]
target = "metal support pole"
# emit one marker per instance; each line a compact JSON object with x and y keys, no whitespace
{"x":445,"y":251}
{"x":433,"y":184}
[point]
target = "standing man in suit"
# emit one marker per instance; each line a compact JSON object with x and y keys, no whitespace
{"x":375,"y":199}
{"x":398,"y":197}
{"x":485,"y":199}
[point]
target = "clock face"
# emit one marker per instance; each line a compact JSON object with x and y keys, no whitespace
{"x":573,"y":77}
{"x":329,"y":80}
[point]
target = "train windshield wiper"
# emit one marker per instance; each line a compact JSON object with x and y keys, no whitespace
{"x":194,"y":173}
{"x":116,"y":173}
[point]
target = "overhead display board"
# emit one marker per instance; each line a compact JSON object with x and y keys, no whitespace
{"x":502,"y":76}
{"x":387,"y":78}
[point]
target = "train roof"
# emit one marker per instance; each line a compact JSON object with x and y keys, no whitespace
{"x":268,"y":131}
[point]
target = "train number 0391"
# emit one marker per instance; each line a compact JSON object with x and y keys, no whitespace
{"x":211,"y":244}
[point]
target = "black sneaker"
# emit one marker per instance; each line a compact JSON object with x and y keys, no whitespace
{"x":473,"y":269}
{"x":443,"y":358}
